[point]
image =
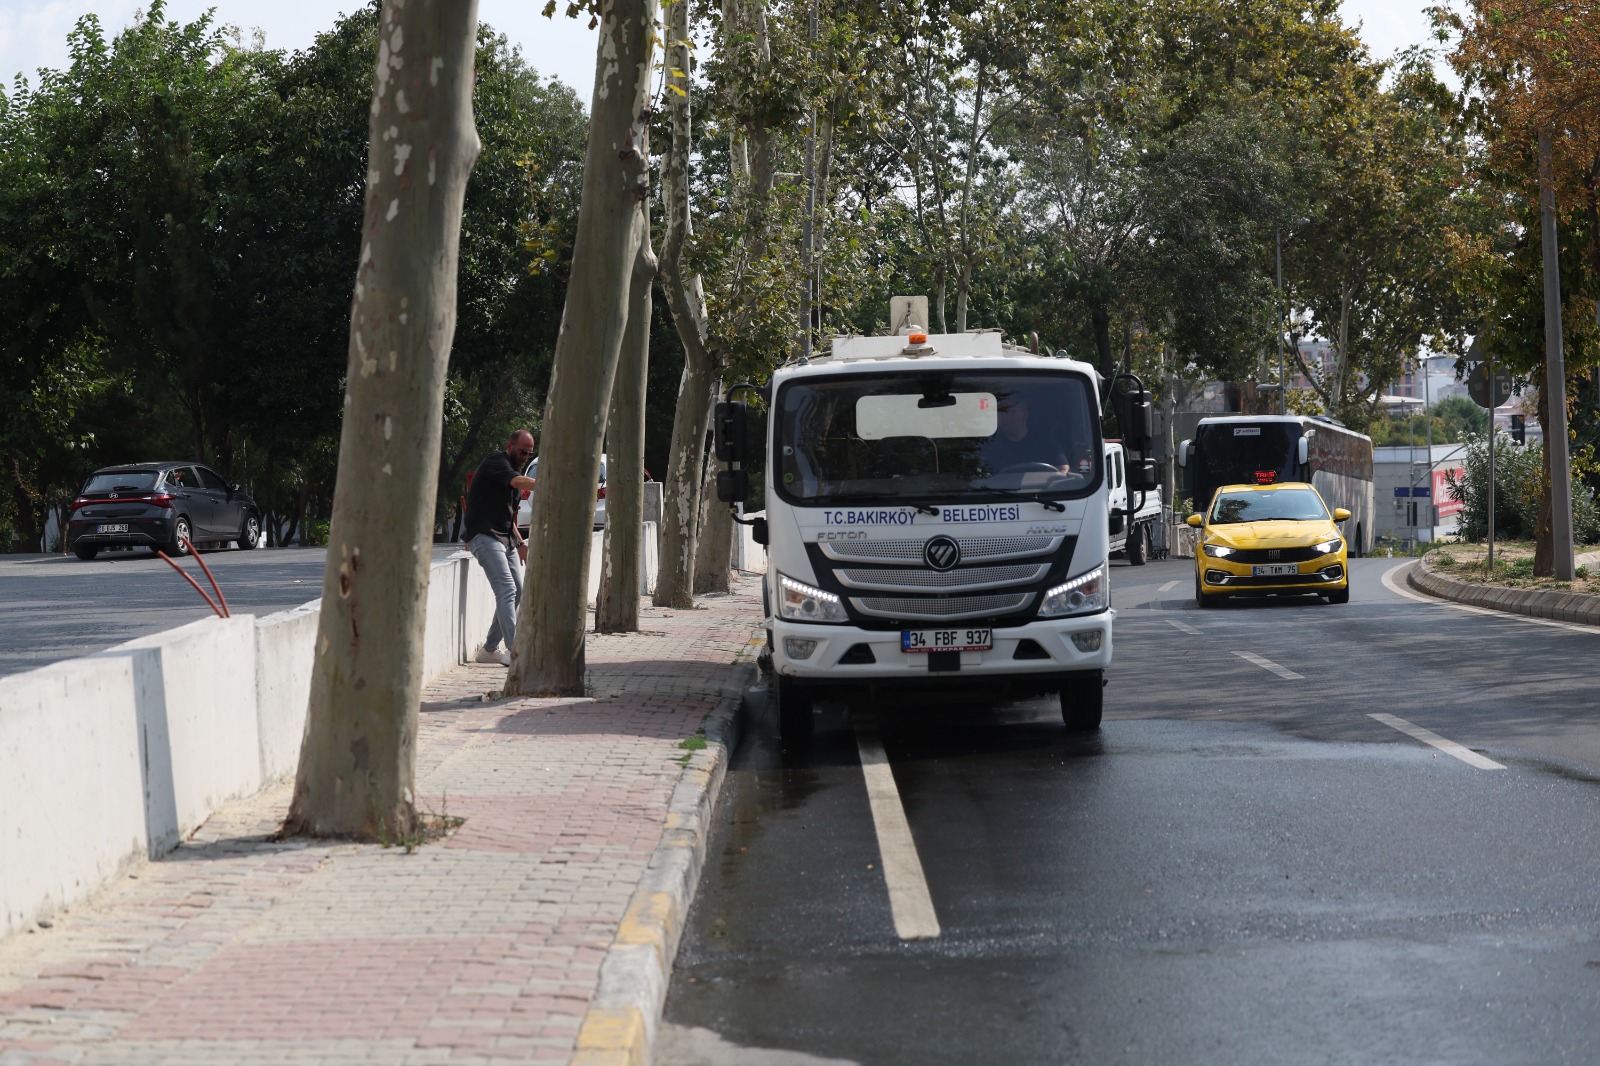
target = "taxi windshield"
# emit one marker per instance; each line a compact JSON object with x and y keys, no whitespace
{"x":1271,"y":505}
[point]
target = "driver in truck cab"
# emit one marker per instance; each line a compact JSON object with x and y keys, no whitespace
{"x":1016,"y":446}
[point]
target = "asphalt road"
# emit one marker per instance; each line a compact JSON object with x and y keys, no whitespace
{"x":55,"y":607}
{"x":1244,"y":865}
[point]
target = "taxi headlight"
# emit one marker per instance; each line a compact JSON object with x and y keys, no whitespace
{"x":1082,"y":595}
{"x":806,"y":603}
{"x":1219,"y":551}
{"x":1328,"y":547}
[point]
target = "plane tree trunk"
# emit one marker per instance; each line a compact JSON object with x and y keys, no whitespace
{"x":617,"y":609}
{"x":358,"y":759}
{"x":685,"y":298}
{"x":548,"y":656}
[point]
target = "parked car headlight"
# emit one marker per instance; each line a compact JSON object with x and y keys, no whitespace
{"x":1328,"y":547}
{"x":1084,"y":594}
{"x":806,"y":603}
{"x":1219,"y":551}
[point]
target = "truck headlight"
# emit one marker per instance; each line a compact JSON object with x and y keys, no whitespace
{"x":1082,"y":595}
{"x":805,"y":603}
{"x":1219,"y":551}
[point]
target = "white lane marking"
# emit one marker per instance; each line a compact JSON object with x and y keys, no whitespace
{"x":1396,"y":587}
{"x":1185,"y":626}
{"x":1168,"y":585}
{"x":1449,"y":747}
{"x":1268,"y":664}
{"x":909,"y":900}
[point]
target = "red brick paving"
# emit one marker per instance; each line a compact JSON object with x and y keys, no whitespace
{"x":484,"y":947}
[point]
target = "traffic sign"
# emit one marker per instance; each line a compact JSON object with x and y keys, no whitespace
{"x":1478,"y":386}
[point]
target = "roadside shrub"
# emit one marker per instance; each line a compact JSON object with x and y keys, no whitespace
{"x":313,"y":533}
{"x":1518,"y":477}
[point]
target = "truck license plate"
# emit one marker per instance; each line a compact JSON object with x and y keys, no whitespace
{"x":111,"y":527}
{"x":1275,"y":570}
{"x":917,"y":640}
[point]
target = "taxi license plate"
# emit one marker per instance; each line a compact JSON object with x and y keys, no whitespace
{"x":919,"y":640}
{"x":1275,"y":570}
{"x":111,"y":527}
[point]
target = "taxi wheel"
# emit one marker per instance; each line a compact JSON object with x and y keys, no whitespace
{"x":794,"y":706}
{"x":1341,"y":596}
{"x":1083,"y":700}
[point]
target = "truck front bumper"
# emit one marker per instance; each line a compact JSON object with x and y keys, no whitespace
{"x":828,"y":656}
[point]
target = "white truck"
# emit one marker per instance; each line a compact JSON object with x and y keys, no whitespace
{"x":1135,"y":516}
{"x":937,"y":517}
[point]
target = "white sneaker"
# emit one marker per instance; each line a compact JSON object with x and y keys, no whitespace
{"x":499,"y":655}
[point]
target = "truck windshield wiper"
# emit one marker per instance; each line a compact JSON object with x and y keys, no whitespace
{"x":1031,"y":497}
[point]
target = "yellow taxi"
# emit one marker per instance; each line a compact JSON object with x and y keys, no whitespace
{"x":1269,"y":540}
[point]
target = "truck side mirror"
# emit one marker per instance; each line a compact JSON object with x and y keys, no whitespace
{"x":1136,"y":416}
{"x":733,"y":486}
{"x":1142,"y":475}
{"x":728,"y":432}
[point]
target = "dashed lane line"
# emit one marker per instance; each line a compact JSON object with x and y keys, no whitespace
{"x":1449,"y":747}
{"x":1168,"y":586}
{"x":909,"y":899}
{"x":1268,"y":664}
{"x":1185,"y":626}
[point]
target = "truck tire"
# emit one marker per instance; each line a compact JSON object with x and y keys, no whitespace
{"x":1082,"y":700}
{"x":793,"y":704}
{"x":1138,"y":541}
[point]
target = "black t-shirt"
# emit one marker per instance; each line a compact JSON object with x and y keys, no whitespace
{"x":491,"y":501}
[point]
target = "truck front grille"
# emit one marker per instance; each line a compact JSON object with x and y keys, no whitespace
{"x":942,"y":608}
{"x":970,"y":579}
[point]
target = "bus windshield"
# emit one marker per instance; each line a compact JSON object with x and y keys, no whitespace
{"x":936,"y":434}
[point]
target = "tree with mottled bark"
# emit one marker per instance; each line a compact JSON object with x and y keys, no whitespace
{"x":358,"y":758}
{"x":686,"y":299}
{"x":617,"y":608}
{"x":548,"y":656}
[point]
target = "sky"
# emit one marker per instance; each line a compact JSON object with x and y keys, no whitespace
{"x":33,"y":33}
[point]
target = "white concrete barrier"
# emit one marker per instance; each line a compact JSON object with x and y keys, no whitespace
{"x":119,"y":755}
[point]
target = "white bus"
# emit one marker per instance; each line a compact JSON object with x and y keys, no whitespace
{"x":1266,"y":449}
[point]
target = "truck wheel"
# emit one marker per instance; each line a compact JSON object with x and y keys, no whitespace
{"x":794,"y":706}
{"x":1082,"y":699}
{"x":1138,"y":539}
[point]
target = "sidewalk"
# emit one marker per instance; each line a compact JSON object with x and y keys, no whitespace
{"x":541,"y":930}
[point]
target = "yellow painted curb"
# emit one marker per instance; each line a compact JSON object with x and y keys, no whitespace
{"x":646,"y":920}
{"x":611,"y":1038}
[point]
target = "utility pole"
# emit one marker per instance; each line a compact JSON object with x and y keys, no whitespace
{"x":1555,"y":431}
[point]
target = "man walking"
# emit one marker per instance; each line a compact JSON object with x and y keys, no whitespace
{"x":494,"y":540}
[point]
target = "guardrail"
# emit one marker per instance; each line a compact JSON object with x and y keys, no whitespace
{"x":115,"y":757}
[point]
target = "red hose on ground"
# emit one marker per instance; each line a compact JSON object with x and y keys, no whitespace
{"x":191,"y":581}
{"x":227,"y":612}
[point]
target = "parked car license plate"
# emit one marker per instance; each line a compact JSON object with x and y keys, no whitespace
{"x":1275,"y":570}
{"x":945,"y":640}
{"x":111,"y":527}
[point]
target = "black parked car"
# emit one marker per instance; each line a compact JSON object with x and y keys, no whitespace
{"x":159,"y":506}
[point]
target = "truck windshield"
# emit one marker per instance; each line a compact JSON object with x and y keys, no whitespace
{"x":936,"y":435}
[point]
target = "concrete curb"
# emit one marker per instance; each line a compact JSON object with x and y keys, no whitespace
{"x":624,"y":1016}
{"x":1559,"y":605}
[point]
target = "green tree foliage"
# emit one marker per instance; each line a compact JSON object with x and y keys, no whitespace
{"x":1452,"y":421}
{"x":179,"y":216}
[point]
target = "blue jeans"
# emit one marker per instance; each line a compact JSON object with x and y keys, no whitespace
{"x":503,"y":568}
